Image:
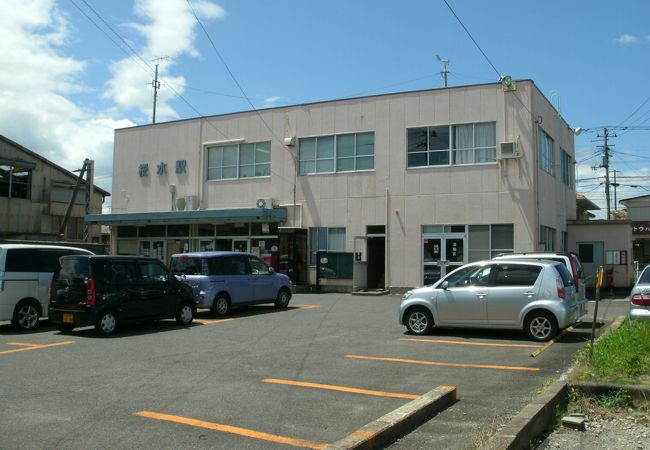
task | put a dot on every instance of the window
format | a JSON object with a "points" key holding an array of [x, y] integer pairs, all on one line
{"points": [[546, 152], [328, 239], [258, 267], [339, 153], [118, 272], [472, 143], [152, 272], [235, 161], [547, 238], [235, 265], [15, 181], [517, 275], [470, 276], [566, 168]]}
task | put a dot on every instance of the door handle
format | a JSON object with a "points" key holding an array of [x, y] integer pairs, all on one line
{"points": [[481, 295], [528, 294]]}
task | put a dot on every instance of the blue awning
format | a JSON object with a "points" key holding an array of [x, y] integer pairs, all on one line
{"points": [[203, 215]]}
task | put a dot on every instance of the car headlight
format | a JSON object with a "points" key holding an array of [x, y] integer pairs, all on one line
{"points": [[406, 295]]}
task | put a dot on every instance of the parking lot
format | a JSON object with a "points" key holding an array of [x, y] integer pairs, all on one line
{"points": [[265, 378]]}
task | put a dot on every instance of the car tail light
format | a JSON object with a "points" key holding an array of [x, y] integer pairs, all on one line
{"points": [[641, 299], [90, 292], [560, 288], [574, 270]]}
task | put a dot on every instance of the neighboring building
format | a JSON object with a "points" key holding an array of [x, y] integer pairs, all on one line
{"points": [[35, 194], [413, 183], [638, 213]]}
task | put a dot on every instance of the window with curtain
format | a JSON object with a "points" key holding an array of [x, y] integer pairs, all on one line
{"points": [[546, 152], [337, 153], [323, 238], [15, 181], [227, 162], [473, 143]]}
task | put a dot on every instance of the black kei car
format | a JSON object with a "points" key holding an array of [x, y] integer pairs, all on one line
{"points": [[106, 291]]}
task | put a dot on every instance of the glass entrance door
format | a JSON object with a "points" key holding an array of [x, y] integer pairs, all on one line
{"points": [[153, 249], [441, 254]]}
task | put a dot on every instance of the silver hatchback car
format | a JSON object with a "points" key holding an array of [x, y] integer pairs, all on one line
{"points": [[640, 297], [537, 296]]}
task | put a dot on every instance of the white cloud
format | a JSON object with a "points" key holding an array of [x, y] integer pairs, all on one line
{"points": [[626, 39], [168, 31], [274, 100], [34, 82]]}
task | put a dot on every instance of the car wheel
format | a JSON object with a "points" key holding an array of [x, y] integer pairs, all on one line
{"points": [[65, 327], [185, 314], [221, 305], [541, 326], [25, 315], [106, 323], [419, 320], [282, 301]]}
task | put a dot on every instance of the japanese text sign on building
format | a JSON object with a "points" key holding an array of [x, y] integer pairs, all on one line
{"points": [[641, 227], [143, 170], [161, 168], [181, 166]]}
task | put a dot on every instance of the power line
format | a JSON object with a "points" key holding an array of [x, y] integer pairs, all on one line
{"points": [[472, 38]]}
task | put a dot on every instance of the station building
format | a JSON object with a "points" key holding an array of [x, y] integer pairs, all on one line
{"points": [[402, 187]]}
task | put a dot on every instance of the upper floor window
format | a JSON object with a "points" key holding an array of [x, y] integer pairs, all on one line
{"points": [[15, 181], [472, 143], [566, 168], [239, 161], [338, 153], [546, 152]]}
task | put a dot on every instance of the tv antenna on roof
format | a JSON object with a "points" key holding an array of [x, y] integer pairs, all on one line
{"points": [[444, 71]]}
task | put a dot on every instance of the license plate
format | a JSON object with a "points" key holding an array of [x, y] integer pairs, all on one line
{"points": [[68, 318]]}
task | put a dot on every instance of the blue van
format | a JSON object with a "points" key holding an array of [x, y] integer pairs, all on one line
{"points": [[223, 280]]}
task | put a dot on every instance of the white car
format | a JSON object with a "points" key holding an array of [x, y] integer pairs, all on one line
{"points": [[536, 296], [640, 296]]}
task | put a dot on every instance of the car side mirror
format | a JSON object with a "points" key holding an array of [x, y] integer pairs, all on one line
{"points": [[444, 285], [271, 270]]}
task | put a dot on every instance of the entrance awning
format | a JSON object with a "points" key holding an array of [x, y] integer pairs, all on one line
{"points": [[204, 215]]}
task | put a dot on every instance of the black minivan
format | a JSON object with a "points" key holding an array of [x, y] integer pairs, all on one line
{"points": [[105, 291]]}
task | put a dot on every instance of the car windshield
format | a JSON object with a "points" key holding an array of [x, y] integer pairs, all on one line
{"points": [[187, 265], [645, 276]]}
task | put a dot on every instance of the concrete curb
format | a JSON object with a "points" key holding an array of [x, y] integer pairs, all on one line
{"points": [[539, 415], [640, 392], [535, 418], [386, 429]]}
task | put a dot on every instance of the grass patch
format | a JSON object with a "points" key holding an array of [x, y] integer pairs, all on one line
{"points": [[621, 356], [614, 405]]}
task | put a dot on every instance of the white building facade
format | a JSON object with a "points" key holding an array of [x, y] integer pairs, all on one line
{"points": [[408, 185]]}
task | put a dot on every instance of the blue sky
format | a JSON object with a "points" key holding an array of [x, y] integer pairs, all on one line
{"points": [[71, 75]]}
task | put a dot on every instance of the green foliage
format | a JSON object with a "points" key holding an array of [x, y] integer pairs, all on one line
{"points": [[616, 399], [621, 356]]}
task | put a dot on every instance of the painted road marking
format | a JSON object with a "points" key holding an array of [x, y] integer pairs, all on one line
{"points": [[484, 344], [332, 387], [445, 364], [25, 347], [232, 430], [211, 321], [306, 306]]}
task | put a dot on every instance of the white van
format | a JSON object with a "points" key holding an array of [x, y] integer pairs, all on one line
{"points": [[25, 276]]}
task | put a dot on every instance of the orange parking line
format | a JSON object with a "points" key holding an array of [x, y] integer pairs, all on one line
{"points": [[32, 346], [211, 322], [232, 430], [307, 306], [331, 387], [445, 364], [484, 344]]}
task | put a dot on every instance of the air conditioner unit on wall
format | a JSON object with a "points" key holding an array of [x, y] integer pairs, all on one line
{"points": [[191, 202], [264, 203], [508, 150]]}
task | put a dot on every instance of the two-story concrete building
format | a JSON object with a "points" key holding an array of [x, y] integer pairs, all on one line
{"points": [[413, 184]]}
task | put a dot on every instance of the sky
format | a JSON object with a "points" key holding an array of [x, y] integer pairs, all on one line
{"points": [[75, 70]]}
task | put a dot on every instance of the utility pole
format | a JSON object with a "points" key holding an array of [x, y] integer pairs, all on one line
{"points": [[444, 71], [605, 165], [156, 85], [615, 184]]}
